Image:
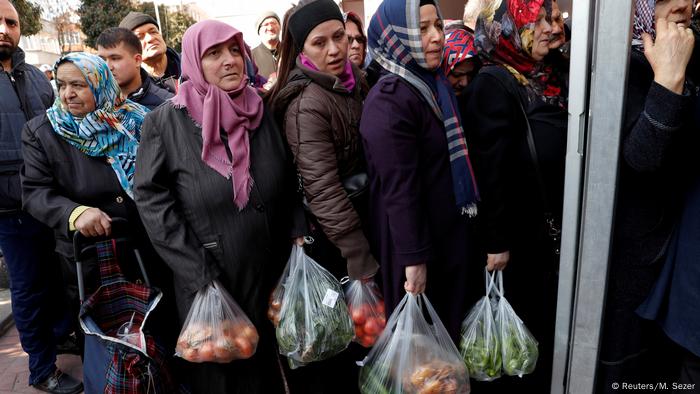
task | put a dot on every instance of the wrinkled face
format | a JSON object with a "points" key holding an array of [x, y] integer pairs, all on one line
{"points": [[677, 11], [223, 65], [460, 76], [151, 40], [558, 37], [432, 35], [9, 30], [74, 90], [122, 62], [269, 30], [357, 44], [542, 36], [327, 47]]}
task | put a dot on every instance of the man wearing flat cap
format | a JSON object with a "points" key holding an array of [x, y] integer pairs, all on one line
{"points": [[160, 61], [265, 55]]}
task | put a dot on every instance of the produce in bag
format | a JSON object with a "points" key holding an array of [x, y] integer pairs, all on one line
{"points": [[314, 320], [367, 311], [518, 346], [480, 346], [412, 356], [275, 304], [216, 329]]}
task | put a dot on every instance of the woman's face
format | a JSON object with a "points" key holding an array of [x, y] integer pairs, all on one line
{"points": [[542, 36], [357, 43], [327, 47], [432, 36], [461, 74], [74, 90], [222, 65], [677, 11]]}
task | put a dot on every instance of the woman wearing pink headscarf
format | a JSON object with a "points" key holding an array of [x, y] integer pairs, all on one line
{"points": [[216, 190]]}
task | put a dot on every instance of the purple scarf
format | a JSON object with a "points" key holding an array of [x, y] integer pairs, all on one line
{"points": [[236, 112], [347, 78]]}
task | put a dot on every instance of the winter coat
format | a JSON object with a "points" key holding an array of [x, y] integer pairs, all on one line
{"points": [[189, 213], [149, 94], [414, 218], [26, 93], [321, 121]]}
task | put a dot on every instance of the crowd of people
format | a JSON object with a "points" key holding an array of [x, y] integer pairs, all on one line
{"points": [[411, 153]]}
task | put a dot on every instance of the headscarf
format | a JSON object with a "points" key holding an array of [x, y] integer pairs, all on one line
{"points": [[113, 129], [505, 31], [459, 46], [236, 112], [395, 43]]}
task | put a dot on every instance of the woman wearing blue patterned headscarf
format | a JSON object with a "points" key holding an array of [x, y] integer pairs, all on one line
{"points": [[422, 187], [79, 164]]}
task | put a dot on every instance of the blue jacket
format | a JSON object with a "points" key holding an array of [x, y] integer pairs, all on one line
{"points": [[26, 93], [149, 94]]}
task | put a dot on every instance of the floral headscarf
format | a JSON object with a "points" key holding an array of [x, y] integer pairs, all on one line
{"points": [[459, 46], [505, 31], [112, 130]]}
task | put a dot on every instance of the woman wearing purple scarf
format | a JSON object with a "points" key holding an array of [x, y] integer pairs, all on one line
{"points": [[318, 100], [216, 190]]}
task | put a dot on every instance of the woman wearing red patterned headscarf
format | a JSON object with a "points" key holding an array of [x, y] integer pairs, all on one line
{"points": [[521, 195], [459, 61]]}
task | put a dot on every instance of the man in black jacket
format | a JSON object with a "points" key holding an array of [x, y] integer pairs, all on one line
{"points": [[161, 62], [27, 244], [121, 49]]}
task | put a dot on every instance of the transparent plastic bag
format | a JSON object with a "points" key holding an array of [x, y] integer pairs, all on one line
{"points": [[275, 304], [413, 356], [518, 346], [216, 329], [366, 307], [480, 346], [314, 320]]}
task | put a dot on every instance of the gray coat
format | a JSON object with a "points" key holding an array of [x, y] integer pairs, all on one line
{"points": [[190, 216], [26, 93]]}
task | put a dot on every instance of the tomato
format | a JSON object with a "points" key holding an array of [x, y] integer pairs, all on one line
{"points": [[223, 350], [191, 355], [358, 317], [359, 331], [380, 307], [206, 351], [372, 327], [276, 305], [382, 322], [245, 348], [250, 334], [367, 341]]}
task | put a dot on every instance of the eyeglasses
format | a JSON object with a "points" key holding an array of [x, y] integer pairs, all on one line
{"points": [[360, 40]]}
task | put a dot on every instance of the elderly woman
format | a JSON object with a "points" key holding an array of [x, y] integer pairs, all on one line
{"points": [[659, 136], [421, 185], [518, 142], [79, 167], [459, 62], [215, 188]]}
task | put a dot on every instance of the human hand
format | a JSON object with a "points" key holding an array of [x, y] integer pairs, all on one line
{"points": [[299, 241], [669, 54], [497, 261], [416, 276], [93, 223]]}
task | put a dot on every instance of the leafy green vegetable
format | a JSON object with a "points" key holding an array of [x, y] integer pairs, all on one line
{"points": [[480, 347], [519, 347]]}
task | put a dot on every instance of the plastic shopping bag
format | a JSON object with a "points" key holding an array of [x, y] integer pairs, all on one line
{"points": [[275, 305], [367, 311], [413, 356], [314, 320], [216, 329], [518, 346], [480, 346]]}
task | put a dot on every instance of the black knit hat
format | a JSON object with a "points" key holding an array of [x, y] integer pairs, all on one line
{"points": [[135, 19], [310, 15]]}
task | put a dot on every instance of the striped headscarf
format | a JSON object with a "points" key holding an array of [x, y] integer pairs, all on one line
{"points": [[459, 46], [112, 130], [394, 40]]}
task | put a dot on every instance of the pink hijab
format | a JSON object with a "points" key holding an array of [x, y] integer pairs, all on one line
{"points": [[236, 112]]}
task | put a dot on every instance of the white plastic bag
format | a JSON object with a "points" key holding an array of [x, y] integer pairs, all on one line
{"points": [[480, 344], [367, 311], [518, 346], [413, 356], [216, 329], [314, 322]]}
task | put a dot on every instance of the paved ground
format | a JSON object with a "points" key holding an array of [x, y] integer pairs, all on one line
{"points": [[14, 373]]}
